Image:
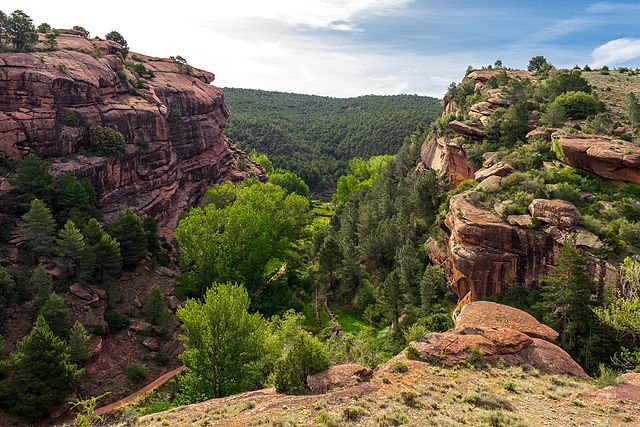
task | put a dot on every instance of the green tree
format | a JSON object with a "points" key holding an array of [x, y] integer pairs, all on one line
{"points": [[81, 30], [75, 199], [154, 305], [117, 37], [44, 28], [578, 105], [633, 107], [555, 115], [305, 357], [41, 373], [79, 345], [71, 251], [224, 344], [623, 311], [50, 42], [567, 303], [33, 180], [565, 81], [56, 314], [21, 31], [246, 236], [38, 228], [363, 174], [41, 284], [538, 64], [433, 286], [107, 142], [129, 231], [262, 160], [515, 124], [289, 181], [106, 253], [151, 228], [7, 289]]}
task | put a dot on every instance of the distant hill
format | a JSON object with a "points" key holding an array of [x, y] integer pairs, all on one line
{"points": [[316, 136]]}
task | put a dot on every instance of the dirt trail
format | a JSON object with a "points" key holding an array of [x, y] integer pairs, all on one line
{"points": [[132, 397]]}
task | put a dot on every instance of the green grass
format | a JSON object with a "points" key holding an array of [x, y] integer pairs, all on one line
{"points": [[349, 322]]}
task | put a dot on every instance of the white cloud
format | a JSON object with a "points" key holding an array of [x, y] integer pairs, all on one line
{"points": [[611, 7], [616, 52]]}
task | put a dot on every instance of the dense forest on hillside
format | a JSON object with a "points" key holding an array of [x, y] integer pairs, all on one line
{"points": [[316, 136]]}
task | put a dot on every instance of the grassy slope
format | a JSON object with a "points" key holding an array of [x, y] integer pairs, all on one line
{"points": [[425, 395], [613, 88]]}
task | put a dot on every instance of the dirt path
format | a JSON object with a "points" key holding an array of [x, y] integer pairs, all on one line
{"points": [[132, 397]]}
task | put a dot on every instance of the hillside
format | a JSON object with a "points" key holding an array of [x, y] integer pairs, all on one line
{"points": [[316, 136]]}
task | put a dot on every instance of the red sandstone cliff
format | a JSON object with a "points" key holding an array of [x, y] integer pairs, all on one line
{"points": [[177, 112]]}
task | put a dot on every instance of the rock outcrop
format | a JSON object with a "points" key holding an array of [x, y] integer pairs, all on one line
{"points": [[555, 212], [484, 253], [493, 315], [338, 376], [497, 333], [447, 157], [608, 157], [171, 117]]}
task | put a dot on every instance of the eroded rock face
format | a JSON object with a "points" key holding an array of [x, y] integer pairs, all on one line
{"points": [[448, 158], [608, 157], [485, 253], [494, 315], [49, 101]]}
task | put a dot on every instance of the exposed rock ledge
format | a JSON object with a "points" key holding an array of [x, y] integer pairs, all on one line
{"points": [[177, 113]]}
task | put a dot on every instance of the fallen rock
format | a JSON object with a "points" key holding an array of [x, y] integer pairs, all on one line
{"points": [[139, 326], [137, 302], [493, 315], [79, 291], [338, 376], [102, 294], [555, 212], [490, 158], [490, 184], [151, 343], [541, 133], [499, 169], [546, 357], [166, 271], [174, 302], [522, 221], [95, 347]]}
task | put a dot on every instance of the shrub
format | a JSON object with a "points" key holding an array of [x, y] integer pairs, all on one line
{"points": [[487, 401], [353, 413], [578, 105], [305, 357], [475, 358], [117, 321], [136, 372], [71, 118], [400, 367], [107, 142]]}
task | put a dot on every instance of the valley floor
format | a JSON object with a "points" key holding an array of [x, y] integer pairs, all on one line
{"points": [[424, 395]]}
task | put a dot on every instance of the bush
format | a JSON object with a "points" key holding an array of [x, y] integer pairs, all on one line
{"points": [[117, 321], [71, 118], [136, 372], [305, 357], [578, 105], [400, 367], [107, 142]]}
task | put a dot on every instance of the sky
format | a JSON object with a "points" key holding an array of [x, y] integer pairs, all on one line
{"points": [[346, 48]]}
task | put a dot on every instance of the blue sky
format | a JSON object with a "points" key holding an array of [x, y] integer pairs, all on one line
{"points": [[355, 47]]}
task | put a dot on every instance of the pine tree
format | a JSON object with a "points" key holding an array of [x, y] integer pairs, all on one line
{"points": [[79, 344], [71, 250], [567, 304], [151, 227], [7, 289], [75, 199], [41, 373], [106, 253], [33, 180], [55, 313], [130, 234], [38, 228], [40, 283], [154, 305]]}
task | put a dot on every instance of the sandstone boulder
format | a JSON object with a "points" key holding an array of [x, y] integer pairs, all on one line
{"points": [[504, 345], [555, 212], [628, 390], [338, 376], [577, 235], [174, 302], [467, 131], [166, 271], [499, 169], [79, 291], [605, 156], [490, 184], [541, 133], [151, 343], [494, 315]]}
